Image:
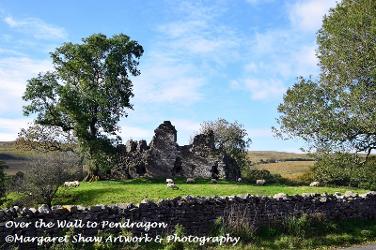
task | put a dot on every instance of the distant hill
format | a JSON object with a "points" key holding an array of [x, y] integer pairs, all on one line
{"points": [[289, 165], [15, 159], [267, 156]]}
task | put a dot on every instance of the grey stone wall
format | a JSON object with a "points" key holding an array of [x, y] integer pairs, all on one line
{"points": [[197, 215]]}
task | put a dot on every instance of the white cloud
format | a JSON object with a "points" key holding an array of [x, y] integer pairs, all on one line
{"points": [[168, 81], [259, 132], [307, 15], [38, 28], [135, 133], [187, 52], [264, 89], [186, 125], [256, 2], [14, 73], [198, 35], [305, 60], [9, 128], [186, 129]]}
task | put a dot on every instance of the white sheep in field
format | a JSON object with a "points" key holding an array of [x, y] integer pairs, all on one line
{"points": [[172, 186], [190, 180], [239, 179], [71, 184], [314, 184], [260, 182], [170, 181]]}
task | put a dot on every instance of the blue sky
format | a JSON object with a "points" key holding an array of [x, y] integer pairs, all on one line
{"points": [[203, 59]]}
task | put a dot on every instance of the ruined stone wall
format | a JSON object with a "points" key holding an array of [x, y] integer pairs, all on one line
{"points": [[163, 157], [197, 215]]}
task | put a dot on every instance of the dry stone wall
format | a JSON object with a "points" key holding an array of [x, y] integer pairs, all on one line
{"points": [[197, 215]]}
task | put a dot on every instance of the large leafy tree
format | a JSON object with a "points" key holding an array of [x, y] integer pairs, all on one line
{"points": [[337, 111], [88, 92]]}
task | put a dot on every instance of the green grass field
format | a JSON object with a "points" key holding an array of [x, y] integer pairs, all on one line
{"points": [[134, 191]]}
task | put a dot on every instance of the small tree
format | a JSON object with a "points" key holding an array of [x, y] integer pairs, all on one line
{"points": [[229, 138], [87, 93], [46, 173], [46, 139]]}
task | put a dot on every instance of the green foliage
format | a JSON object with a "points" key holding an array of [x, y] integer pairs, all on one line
{"points": [[237, 223], [314, 231], [88, 91], [301, 226], [337, 112], [2, 179], [45, 138], [46, 174], [251, 175], [15, 182], [229, 138], [180, 232], [345, 170]]}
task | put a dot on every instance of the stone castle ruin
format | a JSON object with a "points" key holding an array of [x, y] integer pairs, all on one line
{"points": [[163, 157]]}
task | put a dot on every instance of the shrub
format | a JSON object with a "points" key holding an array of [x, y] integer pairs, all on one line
{"points": [[45, 175], [15, 182], [179, 231], [2, 179], [304, 225], [237, 222], [346, 170], [251, 175]]}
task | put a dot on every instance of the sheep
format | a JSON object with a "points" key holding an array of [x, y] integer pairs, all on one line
{"points": [[260, 182], [213, 181], [172, 186], [239, 179], [71, 184], [314, 184], [190, 180], [170, 181]]}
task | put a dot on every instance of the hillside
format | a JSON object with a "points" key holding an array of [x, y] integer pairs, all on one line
{"points": [[289, 165]]}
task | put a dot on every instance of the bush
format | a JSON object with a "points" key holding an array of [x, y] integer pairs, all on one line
{"points": [[301, 226], [2, 179], [236, 222], [45, 175], [345, 170], [251, 175], [15, 183]]}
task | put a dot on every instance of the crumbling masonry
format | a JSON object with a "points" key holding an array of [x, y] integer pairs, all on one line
{"points": [[163, 157]]}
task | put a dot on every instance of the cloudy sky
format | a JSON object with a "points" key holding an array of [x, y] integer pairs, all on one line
{"points": [[203, 59]]}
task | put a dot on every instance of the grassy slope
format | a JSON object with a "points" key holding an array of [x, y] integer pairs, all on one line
{"points": [[134, 191]]}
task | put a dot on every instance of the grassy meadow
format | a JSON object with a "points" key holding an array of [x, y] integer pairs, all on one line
{"points": [[134, 191]]}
